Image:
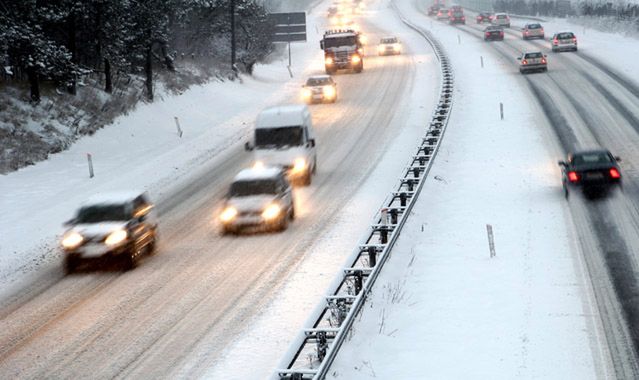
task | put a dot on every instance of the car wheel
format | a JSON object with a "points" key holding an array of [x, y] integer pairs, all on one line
{"points": [[151, 248], [575, 49], [283, 224], [131, 258], [70, 264], [308, 178]]}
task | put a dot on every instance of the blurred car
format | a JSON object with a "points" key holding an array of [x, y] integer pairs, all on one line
{"points": [[484, 17], [564, 41], [319, 89], [493, 33], [259, 197], [433, 9], [501, 19], [121, 226], [456, 17], [595, 171], [531, 31], [532, 61], [442, 14], [389, 46]]}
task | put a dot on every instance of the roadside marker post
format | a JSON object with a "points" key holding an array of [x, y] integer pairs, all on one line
{"points": [[90, 161], [501, 110], [491, 240], [177, 124]]}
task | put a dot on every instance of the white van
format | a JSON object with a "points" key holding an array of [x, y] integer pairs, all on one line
{"points": [[284, 137]]}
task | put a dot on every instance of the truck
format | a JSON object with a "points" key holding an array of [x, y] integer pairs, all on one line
{"points": [[343, 50]]}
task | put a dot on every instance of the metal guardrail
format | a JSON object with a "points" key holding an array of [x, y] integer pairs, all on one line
{"points": [[313, 350]]}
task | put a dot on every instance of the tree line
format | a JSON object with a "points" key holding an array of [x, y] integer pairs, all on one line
{"points": [[62, 40]]}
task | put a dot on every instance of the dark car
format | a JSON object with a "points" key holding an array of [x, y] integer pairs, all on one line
{"points": [[456, 17], [484, 17], [433, 9], [595, 171], [120, 226], [493, 33]]}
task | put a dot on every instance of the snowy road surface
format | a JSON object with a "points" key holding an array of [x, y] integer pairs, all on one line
{"points": [[181, 312]]}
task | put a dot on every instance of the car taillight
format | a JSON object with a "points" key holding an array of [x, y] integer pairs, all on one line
{"points": [[501, 34], [463, 18], [524, 62], [555, 41], [543, 60], [525, 32], [487, 34], [574, 39], [573, 176], [614, 173]]}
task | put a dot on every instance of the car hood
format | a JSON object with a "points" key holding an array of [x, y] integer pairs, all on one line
{"points": [[280, 157], [94, 230], [251, 203]]}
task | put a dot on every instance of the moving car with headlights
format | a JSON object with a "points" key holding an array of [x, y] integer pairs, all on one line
{"points": [[484, 17], [343, 49], [595, 171], [501, 19], [456, 17], [530, 31], [389, 46], [258, 197], [319, 89], [532, 61], [121, 226], [442, 14], [493, 33], [284, 137], [564, 41]]}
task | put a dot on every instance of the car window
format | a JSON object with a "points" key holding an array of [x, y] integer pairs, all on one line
{"points": [[564, 35], [389, 40], [279, 137], [534, 26], [317, 81], [591, 158], [533, 55], [253, 187], [102, 213]]}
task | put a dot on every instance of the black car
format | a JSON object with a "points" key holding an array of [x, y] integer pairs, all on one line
{"points": [[595, 171], [493, 33]]}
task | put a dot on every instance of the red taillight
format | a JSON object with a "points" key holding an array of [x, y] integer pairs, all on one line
{"points": [[555, 42], [526, 32], [573, 176], [463, 18], [614, 173], [501, 34], [524, 62], [543, 60], [574, 39], [487, 34]]}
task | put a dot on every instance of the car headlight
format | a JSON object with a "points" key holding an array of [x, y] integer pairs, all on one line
{"points": [[328, 61], [258, 165], [72, 240], [116, 237], [306, 93], [299, 165], [228, 214], [397, 47], [356, 59], [271, 212], [329, 91]]}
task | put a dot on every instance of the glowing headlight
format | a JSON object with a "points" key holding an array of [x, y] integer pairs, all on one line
{"points": [[258, 165], [328, 61], [228, 214], [72, 240], [356, 59], [307, 93], [397, 47], [299, 165], [116, 237], [328, 91], [363, 39], [271, 212]]}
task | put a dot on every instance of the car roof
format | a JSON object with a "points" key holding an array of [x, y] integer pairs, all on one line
{"points": [[282, 116], [324, 76], [112, 198], [258, 173]]}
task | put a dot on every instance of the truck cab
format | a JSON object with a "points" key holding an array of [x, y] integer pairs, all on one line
{"points": [[343, 50], [284, 137]]}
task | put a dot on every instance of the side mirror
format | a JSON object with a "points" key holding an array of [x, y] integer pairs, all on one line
{"points": [[562, 163], [311, 143], [322, 44], [69, 222], [618, 158], [247, 146]]}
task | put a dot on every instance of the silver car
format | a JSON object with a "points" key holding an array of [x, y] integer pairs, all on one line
{"points": [[564, 41], [501, 19], [532, 61], [531, 31]]}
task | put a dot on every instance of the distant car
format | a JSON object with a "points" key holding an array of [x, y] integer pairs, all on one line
{"points": [[532, 61], [259, 197], [389, 46], [442, 14], [456, 8], [121, 226], [501, 19], [484, 17], [564, 41], [319, 89], [595, 171], [531, 31], [493, 33], [433, 9], [456, 17]]}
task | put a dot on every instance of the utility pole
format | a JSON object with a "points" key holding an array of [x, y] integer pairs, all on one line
{"points": [[233, 36]]}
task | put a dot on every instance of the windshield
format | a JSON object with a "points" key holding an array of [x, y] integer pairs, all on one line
{"points": [[533, 55], [332, 42], [253, 187], [591, 158], [102, 213], [278, 137], [389, 40], [317, 81], [564, 35], [534, 26]]}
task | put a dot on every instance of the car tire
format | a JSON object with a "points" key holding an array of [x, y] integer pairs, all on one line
{"points": [[282, 225], [70, 264], [359, 69], [308, 178]]}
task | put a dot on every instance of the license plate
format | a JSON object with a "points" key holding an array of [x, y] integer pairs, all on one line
{"points": [[594, 175], [93, 250]]}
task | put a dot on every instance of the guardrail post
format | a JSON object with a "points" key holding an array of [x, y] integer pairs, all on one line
{"points": [[372, 256], [402, 196], [393, 214], [416, 172], [383, 235], [321, 345], [358, 281]]}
